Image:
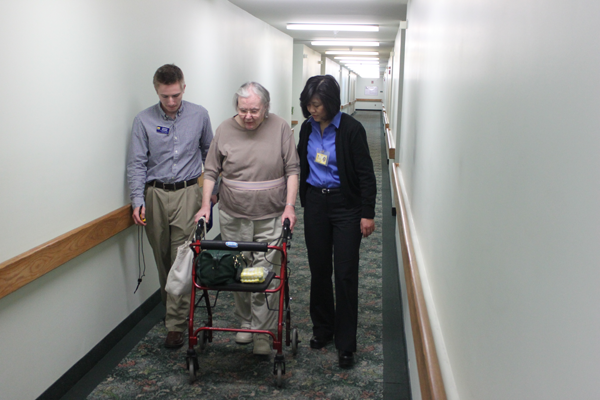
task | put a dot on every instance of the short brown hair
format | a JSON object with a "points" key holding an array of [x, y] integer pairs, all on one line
{"points": [[168, 74]]}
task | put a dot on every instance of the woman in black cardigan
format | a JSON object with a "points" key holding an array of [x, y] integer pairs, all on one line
{"points": [[337, 191]]}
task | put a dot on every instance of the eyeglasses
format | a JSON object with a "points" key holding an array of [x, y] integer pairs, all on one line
{"points": [[255, 112]]}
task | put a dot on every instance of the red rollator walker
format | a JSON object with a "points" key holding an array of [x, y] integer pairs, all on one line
{"points": [[204, 334]]}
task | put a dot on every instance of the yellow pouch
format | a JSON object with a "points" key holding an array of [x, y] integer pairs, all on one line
{"points": [[254, 275]]}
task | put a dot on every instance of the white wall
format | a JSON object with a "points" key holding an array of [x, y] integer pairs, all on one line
{"points": [[499, 152], [298, 82], [332, 68], [395, 106], [76, 73], [352, 92], [304, 68], [344, 85], [361, 83], [387, 85]]}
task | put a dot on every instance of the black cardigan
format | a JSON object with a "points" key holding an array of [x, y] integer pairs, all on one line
{"points": [[357, 179]]}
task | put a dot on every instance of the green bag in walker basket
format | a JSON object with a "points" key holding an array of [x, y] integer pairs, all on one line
{"points": [[219, 267]]}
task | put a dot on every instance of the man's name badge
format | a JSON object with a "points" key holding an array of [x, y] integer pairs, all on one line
{"points": [[322, 157], [162, 129]]}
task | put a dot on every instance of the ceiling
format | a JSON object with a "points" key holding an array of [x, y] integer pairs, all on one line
{"points": [[385, 13]]}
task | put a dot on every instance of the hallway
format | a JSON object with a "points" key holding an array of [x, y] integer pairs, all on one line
{"points": [[493, 138], [139, 367]]}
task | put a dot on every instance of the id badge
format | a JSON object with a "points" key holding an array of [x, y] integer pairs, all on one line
{"points": [[322, 157], [162, 129]]}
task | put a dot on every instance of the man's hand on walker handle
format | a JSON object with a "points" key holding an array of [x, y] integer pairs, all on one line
{"points": [[367, 226]]}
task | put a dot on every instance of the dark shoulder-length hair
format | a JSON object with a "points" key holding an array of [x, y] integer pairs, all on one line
{"points": [[326, 88]]}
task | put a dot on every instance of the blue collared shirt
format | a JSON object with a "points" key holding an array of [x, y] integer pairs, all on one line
{"points": [[166, 149], [323, 176]]}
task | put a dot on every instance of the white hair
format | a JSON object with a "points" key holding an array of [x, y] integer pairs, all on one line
{"points": [[257, 89]]}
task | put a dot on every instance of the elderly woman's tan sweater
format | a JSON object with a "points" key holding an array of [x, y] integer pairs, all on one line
{"points": [[264, 154]]}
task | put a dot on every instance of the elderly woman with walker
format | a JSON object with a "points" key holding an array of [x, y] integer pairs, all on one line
{"points": [[255, 153], [337, 190]]}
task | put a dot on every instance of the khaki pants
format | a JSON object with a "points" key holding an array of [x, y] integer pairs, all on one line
{"points": [[251, 308], [170, 222]]}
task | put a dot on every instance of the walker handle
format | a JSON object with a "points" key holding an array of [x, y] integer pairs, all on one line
{"points": [[287, 233], [201, 229], [231, 245]]}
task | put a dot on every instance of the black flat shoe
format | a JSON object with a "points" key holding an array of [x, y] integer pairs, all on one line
{"points": [[346, 359], [318, 342]]}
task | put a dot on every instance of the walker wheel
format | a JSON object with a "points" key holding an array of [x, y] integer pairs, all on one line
{"points": [[294, 341], [191, 369], [202, 340], [279, 375]]}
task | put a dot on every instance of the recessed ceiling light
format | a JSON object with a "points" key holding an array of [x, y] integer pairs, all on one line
{"points": [[341, 43], [353, 53], [363, 70], [357, 58], [360, 62], [333, 27]]}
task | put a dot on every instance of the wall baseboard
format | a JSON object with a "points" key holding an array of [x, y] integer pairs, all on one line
{"points": [[83, 366]]}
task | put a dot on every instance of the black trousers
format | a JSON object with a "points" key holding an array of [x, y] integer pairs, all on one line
{"points": [[333, 231]]}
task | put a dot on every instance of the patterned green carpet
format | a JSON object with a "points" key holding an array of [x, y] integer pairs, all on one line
{"points": [[231, 371]]}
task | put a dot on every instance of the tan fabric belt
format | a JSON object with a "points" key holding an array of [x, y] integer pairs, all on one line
{"points": [[260, 185]]}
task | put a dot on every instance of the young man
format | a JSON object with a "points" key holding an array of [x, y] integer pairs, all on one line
{"points": [[169, 143]]}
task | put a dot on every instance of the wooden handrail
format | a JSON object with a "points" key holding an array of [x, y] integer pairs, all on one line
{"points": [[390, 144], [24, 268], [386, 120], [430, 376], [27, 267], [369, 100]]}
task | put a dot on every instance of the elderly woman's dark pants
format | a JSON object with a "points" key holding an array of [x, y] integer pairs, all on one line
{"points": [[333, 231]]}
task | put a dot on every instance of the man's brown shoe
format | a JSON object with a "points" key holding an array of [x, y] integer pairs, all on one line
{"points": [[174, 340]]}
